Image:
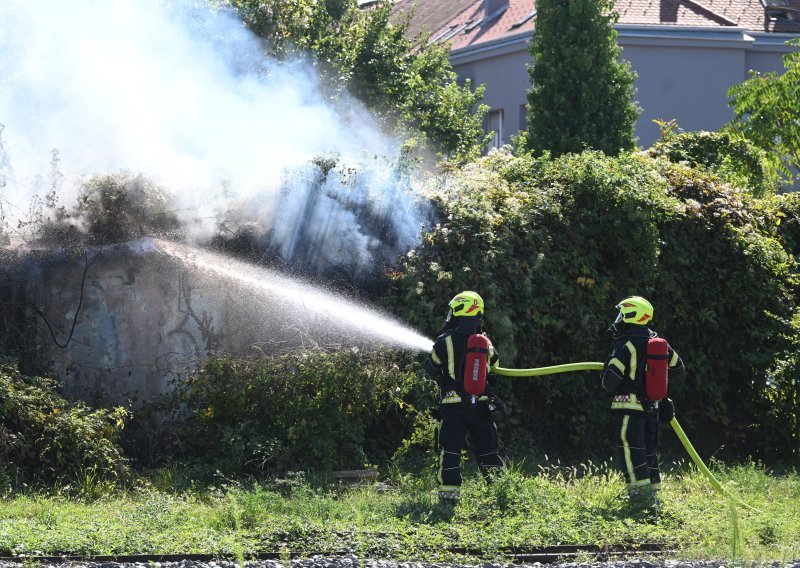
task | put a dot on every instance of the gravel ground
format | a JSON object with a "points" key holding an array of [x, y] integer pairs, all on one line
{"points": [[355, 562]]}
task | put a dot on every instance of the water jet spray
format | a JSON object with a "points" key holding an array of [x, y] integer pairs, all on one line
{"points": [[324, 310]]}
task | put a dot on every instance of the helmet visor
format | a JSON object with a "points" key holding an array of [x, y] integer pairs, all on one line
{"points": [[619, 318]]}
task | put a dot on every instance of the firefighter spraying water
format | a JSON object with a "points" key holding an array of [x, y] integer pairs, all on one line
{"points": [[460, 362]]}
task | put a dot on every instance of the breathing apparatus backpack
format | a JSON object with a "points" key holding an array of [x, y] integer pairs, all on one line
{"points": [[656, 373], [476, 364]]}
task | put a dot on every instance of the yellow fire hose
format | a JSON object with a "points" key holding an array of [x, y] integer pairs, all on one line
{"points": [[594, 366], [547, 370], [702, 466]]}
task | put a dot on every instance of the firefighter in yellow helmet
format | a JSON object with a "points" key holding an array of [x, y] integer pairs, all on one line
{"points": [[625, 376], [460, 412]]}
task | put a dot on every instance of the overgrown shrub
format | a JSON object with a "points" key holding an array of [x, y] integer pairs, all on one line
{"points": [[553, 245], [733, 158], [110, 208], [787, 220], [124, 206], [45, 438], [307, 410]]}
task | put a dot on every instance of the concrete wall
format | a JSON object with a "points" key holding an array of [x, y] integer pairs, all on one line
{"points": [[148, 312], [131, 334], [683, 73]]}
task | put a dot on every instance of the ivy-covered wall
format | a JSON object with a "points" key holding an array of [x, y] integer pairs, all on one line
{"points": [[554, 245]]}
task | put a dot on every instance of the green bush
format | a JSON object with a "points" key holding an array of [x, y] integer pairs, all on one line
{"points": [[553, 245], [788, 221], [45, 438], [307, 410], [733, 158]]}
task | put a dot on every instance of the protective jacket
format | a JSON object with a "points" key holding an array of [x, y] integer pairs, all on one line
{"points": [[624, 374], [458, 415], [638, 433], [446, 360]]}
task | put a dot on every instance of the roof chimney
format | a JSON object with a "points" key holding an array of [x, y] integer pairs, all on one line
{"points": [[493, 8]]}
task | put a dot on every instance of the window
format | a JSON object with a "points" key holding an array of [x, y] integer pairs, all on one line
{"points": [[494, 124], [776, 9]]}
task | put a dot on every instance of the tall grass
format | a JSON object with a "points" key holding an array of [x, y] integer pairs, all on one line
{"points": [[557, 505]]}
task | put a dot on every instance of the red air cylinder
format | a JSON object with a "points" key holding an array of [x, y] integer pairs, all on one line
{"points": [[476, 363], [656, 375]]}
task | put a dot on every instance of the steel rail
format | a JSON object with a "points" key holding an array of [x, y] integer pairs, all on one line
{"points": [[543, 554]]}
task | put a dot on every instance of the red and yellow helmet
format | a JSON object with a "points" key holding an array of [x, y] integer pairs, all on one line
{"points": [[466, 304], [635, 310]]}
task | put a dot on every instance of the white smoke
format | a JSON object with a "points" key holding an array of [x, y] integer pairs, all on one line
{"points": [[182, 94]]}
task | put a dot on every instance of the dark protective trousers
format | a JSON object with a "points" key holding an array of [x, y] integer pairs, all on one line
{"points": [[458, 420], [637, 441], [652, 439]]}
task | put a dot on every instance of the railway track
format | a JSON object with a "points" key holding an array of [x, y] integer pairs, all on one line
{"points": [[544, 555]]}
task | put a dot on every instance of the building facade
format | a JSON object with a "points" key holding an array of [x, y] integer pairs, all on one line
{"points": [[686, 53]]}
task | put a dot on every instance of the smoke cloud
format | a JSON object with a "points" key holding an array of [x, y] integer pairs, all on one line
{"points": [[184, 95]]}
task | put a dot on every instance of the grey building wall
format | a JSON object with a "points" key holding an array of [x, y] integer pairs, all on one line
{"points": [[506, 79], [683, 73]]}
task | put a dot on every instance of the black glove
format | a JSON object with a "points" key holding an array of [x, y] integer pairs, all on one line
{"points": [[497, 409], [666, 410]]}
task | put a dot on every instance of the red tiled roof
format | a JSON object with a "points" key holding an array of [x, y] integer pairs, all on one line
{"points": [[748, 14], [474, 31], [428, 15], [467, 27]]}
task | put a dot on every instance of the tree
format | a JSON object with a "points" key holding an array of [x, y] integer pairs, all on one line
{"points": [[766, 112], [581, 93], [406, 83]]}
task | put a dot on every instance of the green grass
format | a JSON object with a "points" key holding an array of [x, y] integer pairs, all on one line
{"points": [[558, 505]]}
